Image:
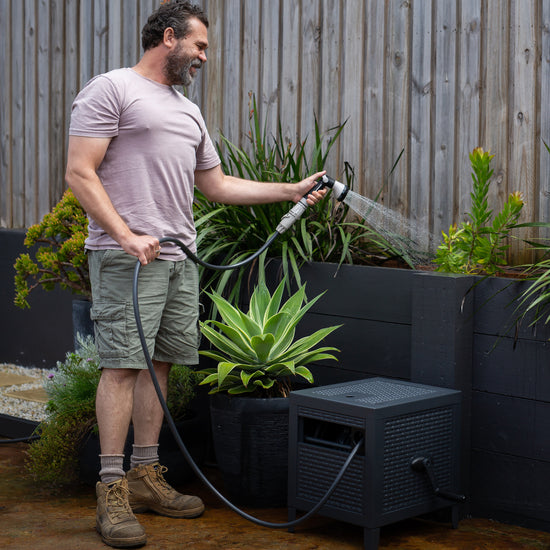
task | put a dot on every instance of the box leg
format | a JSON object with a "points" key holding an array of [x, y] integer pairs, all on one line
{"points": [[455, 516], [371, 538], [291, 517]]}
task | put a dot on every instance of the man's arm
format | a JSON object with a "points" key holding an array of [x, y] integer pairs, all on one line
{"points": [[218, 187], [84, 157]]}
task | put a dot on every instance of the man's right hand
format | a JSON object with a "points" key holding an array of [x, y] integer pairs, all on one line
{"points": [[143, 247]]}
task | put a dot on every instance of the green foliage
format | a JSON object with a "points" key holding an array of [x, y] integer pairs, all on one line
{"points": [[71, 414], [72, 388], [62, 260], [479, 244], [227, 234], [535, 299], [256, 351]]}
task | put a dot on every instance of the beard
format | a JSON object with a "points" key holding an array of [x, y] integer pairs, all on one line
{"points": [[177, 68]]}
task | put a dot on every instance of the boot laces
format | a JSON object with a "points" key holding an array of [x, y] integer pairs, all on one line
{"points": [[159, 471], [117, 501]]}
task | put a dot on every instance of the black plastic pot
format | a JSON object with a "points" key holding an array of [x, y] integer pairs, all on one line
{"points": [[82, 322], [250, 437]]}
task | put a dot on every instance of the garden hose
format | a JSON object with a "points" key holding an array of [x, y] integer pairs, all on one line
{"points": [[170, 420], [285, 223]]}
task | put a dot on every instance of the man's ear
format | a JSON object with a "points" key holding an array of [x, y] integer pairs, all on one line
{"points": [[169, 37]]}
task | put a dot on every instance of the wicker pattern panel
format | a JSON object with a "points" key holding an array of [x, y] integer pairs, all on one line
{"points": [[428, 434], [319, 467]]}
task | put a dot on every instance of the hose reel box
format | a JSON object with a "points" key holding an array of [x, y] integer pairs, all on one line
{"points": [[408, 464]]}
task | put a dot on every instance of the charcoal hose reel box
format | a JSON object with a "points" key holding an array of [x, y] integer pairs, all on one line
{"points": [[408, 462]]}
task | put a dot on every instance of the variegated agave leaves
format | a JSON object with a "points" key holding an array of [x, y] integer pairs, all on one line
{"points": [[256, 351]]}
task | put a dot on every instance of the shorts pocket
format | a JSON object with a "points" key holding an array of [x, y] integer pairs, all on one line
{"points": [[110, 328]]}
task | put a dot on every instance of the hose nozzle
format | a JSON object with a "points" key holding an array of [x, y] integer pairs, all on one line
{"points": [[295, 213], [339, 189]]}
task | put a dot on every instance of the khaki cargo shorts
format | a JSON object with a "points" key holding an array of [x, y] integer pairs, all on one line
{"points": [[168, 305]]}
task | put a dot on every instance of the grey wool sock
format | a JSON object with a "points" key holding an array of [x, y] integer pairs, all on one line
{"points": [[112, 468], [144, 454]]}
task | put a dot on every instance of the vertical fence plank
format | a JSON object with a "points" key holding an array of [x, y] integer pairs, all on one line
{"points": [[544, 165], [330, 84], [232, 96], [397, 85], [468, 101], [444, 119], [85, 39], [374, 99], [309, 89], [5, 115], [57, 135], [497, 83], [101, 28], [290, 71], [269, 63], [30, 97], [250, 83], [18, 115], [214, 106], [352, 79], [114, 37], [420, 142], [43, 119], [523, 110]]}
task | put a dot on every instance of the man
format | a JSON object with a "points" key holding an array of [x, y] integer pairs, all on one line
{"points": [[136, 149]]}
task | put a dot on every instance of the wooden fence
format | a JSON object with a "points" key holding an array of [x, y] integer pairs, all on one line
{"points": [[434, 78]]}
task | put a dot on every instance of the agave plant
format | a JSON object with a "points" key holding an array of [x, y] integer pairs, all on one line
{"points": [[256, 351]]}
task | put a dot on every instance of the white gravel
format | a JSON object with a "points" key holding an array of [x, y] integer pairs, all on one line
{"points": [[21, 408]]}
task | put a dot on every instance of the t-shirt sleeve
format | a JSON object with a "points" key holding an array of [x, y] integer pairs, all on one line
{"points": [[207, 156], [96, 109]]}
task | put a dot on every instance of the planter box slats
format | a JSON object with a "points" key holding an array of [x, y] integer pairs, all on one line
{"points": [[521, 371], [388, 353], [495, 307], [499, 430], [510, 488], [386, 298]]}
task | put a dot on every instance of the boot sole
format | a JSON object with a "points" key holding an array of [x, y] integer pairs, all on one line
{"points": [[188, 513], [134, 542]]}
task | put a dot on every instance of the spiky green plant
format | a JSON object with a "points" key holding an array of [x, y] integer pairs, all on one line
{"points": [[227, 234], [478, 245], [256, 350]]}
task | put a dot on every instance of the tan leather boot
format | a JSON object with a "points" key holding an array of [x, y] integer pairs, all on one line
{"points": [[150, 491], [115, 521]]}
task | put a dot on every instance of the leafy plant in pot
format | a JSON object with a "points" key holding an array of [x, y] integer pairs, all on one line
{"points": [[258, 360], [59, 259]]}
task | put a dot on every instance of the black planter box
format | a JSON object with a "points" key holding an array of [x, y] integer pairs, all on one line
{"points": [[458, 332]]}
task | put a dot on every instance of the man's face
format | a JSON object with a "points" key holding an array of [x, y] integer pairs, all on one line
{"points": [[188, 55]]}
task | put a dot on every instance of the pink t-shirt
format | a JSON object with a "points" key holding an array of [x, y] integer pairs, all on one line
{"points": [[159, 139]]}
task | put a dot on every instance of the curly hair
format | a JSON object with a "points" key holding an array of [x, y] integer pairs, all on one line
{"points": [[175, 14]]}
